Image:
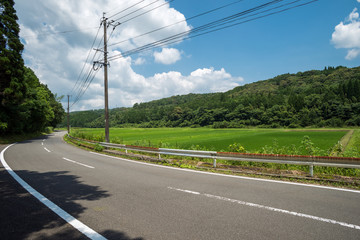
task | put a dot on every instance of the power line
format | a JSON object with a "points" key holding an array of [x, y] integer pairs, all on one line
{"points": [[90, 76], [91, 73], [166, 3], [87, 78], [137, 10], [258, 12], [55, 33], [93, 70], [200, 28], [125, 9], [211, 27], [185, 20], [86, 59]]}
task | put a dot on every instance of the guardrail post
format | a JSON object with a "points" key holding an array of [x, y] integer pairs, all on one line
{"points": [[311, 170], [126, 151], [159, 156], [214, 163]]}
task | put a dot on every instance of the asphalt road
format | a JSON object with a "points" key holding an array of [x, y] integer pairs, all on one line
{"points": [[123, 199]]}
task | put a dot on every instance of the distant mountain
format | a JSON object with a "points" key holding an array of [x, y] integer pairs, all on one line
{"points": [[319, 98]]}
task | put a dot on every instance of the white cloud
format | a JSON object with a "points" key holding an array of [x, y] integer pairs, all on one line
{"points": [[352, 54], [57, 59], [161, 85], [167, 56], [354, 15], [347, 35], [139, 61]]}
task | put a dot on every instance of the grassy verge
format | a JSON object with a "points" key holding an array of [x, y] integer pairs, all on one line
{"points": [[339, 177], [353, 147]]}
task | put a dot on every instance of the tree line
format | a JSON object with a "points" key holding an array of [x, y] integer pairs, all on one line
{"points": [[26, 105], [317, 98]]}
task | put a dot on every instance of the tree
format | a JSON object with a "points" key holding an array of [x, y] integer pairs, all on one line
{"points": [[26, 105], [12, 89]]}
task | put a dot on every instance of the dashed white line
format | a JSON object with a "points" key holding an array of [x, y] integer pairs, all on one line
{"points": [[72, 161], [47, 149], [186, 191], [249, 204], [90, 233]]}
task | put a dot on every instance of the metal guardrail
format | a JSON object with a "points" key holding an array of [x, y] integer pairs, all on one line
{"points": [[311, 161]]}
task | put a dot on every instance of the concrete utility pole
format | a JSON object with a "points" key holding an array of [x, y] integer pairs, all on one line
{"points": [[68, 115], [107, 138], [106, 24]]}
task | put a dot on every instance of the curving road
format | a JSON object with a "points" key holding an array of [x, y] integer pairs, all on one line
{"points": [[117, 198]]}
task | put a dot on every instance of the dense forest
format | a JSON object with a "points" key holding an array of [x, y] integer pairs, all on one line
{"points": [[26, 105], [317, 98]]}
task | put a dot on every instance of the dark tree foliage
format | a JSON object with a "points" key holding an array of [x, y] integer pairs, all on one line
{"points": [[328, 98], [12, 89], [26, 105]]}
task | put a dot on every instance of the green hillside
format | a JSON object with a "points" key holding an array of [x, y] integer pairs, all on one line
{"points": [[317, 98]]}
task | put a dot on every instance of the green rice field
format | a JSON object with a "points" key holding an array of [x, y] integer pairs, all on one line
{"points": [[216, 139]]}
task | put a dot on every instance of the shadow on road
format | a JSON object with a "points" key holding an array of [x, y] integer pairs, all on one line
{"points": [[24, 217]]}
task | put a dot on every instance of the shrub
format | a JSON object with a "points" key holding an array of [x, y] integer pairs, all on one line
{"points": [[98, 148], [236, 147]]}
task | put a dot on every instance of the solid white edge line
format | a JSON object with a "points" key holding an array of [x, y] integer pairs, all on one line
{"points": [[72, 161], [255, 205], [231, 176], [90, 233]]}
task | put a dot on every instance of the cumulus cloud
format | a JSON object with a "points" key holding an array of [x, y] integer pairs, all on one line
{"points": [[58, 58], [167, 56], [352, 54], [347, 35], [168, 84]]}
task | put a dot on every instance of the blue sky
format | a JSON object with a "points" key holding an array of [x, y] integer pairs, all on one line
{"points": [[324, 33], [293, 41]]}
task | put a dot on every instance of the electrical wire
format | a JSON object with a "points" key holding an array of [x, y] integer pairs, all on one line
{"points": [[137, 10], [173, 24], [86, 59], [209, 28], [55, 33], [166, 3], [126, 9], [249, 15], [87, 78], [197, 29]]}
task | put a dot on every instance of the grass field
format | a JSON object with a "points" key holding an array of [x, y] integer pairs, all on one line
{"points": [[219, 139]]}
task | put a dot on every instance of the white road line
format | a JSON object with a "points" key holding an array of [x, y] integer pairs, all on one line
{"points": [[42, 143], [186, 191], [231, 176], [90, 233], [249, 204], [47, 149], [72, 161]]}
